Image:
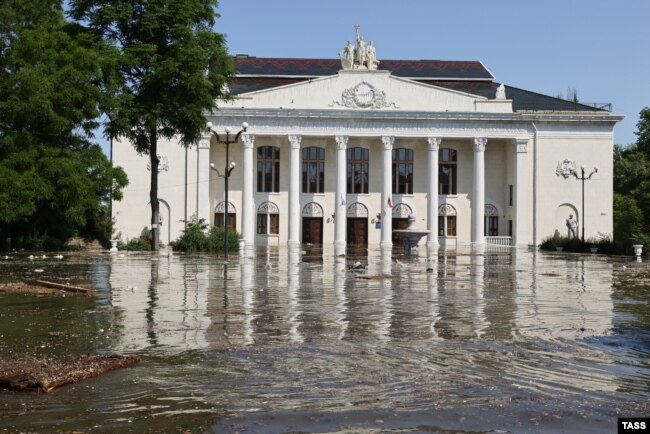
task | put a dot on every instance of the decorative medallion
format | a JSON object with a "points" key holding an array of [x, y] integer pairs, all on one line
{"points": [[402, 210], [357, 209], [221, 207], [163, 164], [446, 209], [268, 208], [312, 209], [491, 210], [566, 168], [364, 95]]}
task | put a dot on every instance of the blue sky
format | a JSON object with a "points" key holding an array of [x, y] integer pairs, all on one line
{"points": [[598, 47]]}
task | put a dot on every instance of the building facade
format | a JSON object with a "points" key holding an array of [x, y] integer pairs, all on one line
{"points": [[343, 150]]}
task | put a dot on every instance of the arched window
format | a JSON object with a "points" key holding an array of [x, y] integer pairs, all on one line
{"points": [[491, 222], [402, 171], [268, 219], [446, 220], [313, 170], [220, 214], [268, 169], [447, 163], [358, 170]]}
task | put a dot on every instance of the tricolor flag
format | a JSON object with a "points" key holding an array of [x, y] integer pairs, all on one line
{"points": [[390, 203], [342, 200]]}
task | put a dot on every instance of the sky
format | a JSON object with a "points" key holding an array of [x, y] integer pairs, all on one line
{"points": [[597, 47]]}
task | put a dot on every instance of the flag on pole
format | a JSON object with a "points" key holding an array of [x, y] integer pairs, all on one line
{"points": [[342, 200], [390, 203]]}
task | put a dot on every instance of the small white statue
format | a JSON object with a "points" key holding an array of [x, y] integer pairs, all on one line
{"points": [[371, 55], [501, 92], [572, 226]]}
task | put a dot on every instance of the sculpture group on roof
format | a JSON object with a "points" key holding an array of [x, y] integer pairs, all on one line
{"points": [[361, 56]]}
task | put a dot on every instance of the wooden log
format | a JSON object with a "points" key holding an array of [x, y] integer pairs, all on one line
{"points": [[64, 287]]}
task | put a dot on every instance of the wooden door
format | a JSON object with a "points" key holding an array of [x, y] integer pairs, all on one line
{"points": [[399, 223], [357, 231], [312, 230]]}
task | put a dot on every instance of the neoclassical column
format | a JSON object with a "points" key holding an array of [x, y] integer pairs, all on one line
{"points": [[520, 192], [432, 191], [248, 200], [386, 190], [294, 190], [203, 180], [478, 192], [340, 214]]}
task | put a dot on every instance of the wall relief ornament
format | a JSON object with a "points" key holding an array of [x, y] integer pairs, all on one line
{"points": [[163, 163], [358, 210], [446, 209], [402, 210], [491, 210], [565, 168], [364, 95], [312, 209], [221, 207], [268, 208]]}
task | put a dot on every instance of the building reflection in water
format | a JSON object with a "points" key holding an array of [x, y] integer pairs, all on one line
{"points": [[287, 295]]}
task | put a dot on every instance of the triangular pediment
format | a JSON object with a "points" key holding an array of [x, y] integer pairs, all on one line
{"points": [[366, 90]]}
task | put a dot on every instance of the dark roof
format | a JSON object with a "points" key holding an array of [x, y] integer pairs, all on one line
{"points": [[433, 69], [470, 77]]}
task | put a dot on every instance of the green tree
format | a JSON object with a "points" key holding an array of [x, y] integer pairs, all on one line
{"points": [[171, 67], [632, 178], [643, 132], [53, 180], [628, 218]]}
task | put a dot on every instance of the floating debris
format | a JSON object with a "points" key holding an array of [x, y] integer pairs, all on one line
{"points": [[43, 287], [44, 373]]}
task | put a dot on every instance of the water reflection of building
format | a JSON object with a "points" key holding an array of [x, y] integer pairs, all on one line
{"points": [[160, 300], [185, 302]]}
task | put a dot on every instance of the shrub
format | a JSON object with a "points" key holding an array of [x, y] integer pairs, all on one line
{"points": [[136, 244], [195, 239]]}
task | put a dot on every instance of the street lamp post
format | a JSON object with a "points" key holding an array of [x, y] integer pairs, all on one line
{"points": [[229, 168], [584, 178]]}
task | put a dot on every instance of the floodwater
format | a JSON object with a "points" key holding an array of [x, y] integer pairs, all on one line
{"points": [[279, 340]]}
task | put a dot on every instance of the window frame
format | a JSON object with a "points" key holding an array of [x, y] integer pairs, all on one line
{"points": [[402, 158], [313, 165], [449, 163], [360, 186], [264, 161]]}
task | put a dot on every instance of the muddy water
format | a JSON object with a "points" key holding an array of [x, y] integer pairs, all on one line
{"points": [[288, 341]]}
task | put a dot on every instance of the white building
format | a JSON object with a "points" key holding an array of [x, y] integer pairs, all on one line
{"points": [[340, 152]]}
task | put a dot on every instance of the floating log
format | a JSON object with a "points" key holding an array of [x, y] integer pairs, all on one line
{"points": [[36, 374], [64, 287]]}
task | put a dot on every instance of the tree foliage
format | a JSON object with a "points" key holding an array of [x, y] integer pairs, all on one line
{"points": [[170, 68], [53, 180]]}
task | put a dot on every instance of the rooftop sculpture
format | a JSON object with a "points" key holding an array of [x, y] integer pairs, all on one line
{"points": [[361, 56]]}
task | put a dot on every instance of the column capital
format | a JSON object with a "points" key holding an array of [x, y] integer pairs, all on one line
{"points": [[388, 142], [522, 145], [204, 142], [248, 140], [295, 141], [341, 142], [479, 144], [434, 143]]}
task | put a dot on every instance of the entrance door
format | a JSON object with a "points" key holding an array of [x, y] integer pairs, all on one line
{"points": [[358, 231], [399, 223], [312, 230]]}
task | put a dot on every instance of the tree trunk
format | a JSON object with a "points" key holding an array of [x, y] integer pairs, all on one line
{"points": [[153, 193]]}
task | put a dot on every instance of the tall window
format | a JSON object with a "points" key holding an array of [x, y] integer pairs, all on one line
{"points": [[313, 170], [491, 224], [358, 170], [402, 171], [447, 160], [510, 195], [268, 169], [446, 220], [219, 215], [268, 219]]}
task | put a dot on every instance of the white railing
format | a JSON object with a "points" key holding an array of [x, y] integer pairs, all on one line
{"points": [[498, 241]]}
